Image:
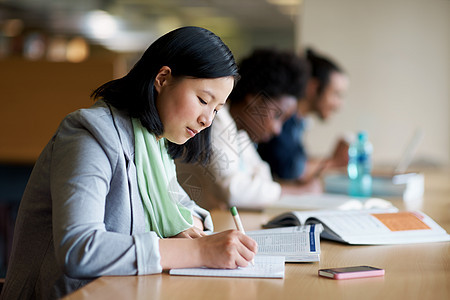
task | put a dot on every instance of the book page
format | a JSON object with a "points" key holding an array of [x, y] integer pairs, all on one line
{"points": [[378, 227], [265, 267], [402, 221], [302, 216], [289, 229], [287, 240]]}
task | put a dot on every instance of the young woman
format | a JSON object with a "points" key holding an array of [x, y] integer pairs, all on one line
{"points": [[103, 197]]}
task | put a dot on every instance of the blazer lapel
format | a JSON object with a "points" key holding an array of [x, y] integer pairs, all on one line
{"points": [[124, 129]]}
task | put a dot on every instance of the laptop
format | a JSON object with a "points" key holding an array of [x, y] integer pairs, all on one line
{"points": [[408, 153]]}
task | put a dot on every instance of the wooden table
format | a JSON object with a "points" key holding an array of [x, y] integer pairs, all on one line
{"points": [[420, 271]]}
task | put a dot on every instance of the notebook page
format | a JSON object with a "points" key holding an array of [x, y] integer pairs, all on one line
{"points": [[265, 267]]}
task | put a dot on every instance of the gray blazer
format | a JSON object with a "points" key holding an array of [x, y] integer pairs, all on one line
{"points": [[81, 215]]}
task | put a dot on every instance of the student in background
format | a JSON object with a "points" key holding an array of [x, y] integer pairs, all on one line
{"points": [[286, 153], [103, 197], [263, 99]]}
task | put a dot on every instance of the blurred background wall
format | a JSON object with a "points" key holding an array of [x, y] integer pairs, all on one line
{"points": [[397, 54]]}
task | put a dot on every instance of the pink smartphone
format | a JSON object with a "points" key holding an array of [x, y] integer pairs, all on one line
{"points": [[351, 272]]}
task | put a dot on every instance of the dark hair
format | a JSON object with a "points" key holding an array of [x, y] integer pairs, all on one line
{"points": [[187, 51], [321, 68], [273, 72]]}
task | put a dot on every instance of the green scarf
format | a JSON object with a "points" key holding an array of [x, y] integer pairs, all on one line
{"points": [[157, 182]]}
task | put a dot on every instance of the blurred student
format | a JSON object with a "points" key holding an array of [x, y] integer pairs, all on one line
{"points": [[103, 197], [286, 153], [263, 99]]}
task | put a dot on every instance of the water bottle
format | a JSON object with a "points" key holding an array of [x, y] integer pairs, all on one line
{"points": [[360, 166]]}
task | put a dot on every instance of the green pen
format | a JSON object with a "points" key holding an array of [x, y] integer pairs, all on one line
{"points": [[238, 222]]}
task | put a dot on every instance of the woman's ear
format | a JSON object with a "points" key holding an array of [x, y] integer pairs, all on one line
{"points": [[162, 78], [312, 88]]}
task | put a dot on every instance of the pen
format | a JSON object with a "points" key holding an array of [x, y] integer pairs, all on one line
{"points": [[237, 221]]}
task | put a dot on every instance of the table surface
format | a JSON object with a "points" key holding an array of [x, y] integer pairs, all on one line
{"points": [[419, 271]]}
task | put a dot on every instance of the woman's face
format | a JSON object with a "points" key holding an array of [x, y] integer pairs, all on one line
{"points": [[186, 106], [331, 98], [263, 118]]}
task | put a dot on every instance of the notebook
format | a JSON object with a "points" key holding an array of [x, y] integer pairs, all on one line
{"points": [[265, 267]]}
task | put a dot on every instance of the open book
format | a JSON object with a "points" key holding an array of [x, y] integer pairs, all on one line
{"points": [[368, 227], [296, 244]]}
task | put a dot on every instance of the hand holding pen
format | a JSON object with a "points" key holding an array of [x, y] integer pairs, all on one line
{"points": [[228, 249], [239, 226]]}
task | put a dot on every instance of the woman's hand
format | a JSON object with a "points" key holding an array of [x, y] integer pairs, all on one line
{"points": [[195, 231], [340, 154], [191, 233], [229, 249], [198, 223]]}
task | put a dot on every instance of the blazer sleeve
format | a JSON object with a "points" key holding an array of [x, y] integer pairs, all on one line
{"points": [[196, 210], [84, 158]]}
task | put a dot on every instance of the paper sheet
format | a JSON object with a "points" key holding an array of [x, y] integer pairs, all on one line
{"points": [[265, 267]]}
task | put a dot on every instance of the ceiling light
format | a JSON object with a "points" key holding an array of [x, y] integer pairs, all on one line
{"points": [[100, 25], [285, 2], [77, 50]]}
